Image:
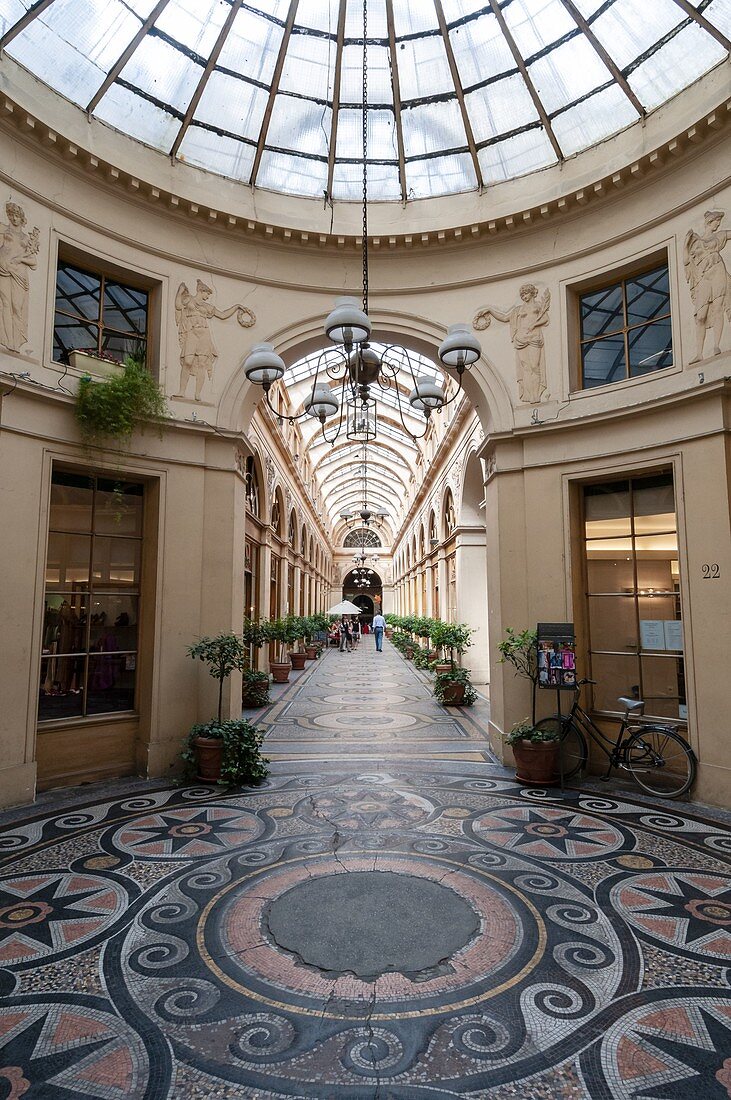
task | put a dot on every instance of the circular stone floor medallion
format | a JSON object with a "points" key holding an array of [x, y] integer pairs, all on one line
{"points": [[368, 923]]}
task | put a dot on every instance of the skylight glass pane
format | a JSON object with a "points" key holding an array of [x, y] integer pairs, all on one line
{"points": [[382, 141], [567, 73], [135, 116], [500, 108], [194, 23], [10, 13], [73, 49], [592, 121], [377, 27], [535, 24], [411, 18], [423, 68], [233, 105], [226, 156], [293, 175], [309, 68], [432, 127], [379, 76], [456, 9], [383, 182], [320, 15], [300, 125], [516, 155], [480, 50], [678, 63], [163, 72], [440, 175], [625, 31], [251, 47], [718, 12]]}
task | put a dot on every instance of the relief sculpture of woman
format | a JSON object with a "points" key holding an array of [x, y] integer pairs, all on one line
{"points": [[527, 320], [708, 279], [18, 255]]}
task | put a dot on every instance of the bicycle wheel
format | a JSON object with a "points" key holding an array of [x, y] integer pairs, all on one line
{"points": [[660, 761], [573, 743]]}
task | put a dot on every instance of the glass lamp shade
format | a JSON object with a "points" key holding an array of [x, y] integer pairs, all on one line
{"points": [[426, 396], [347, 324], [461, 347], [361, 425], [322, 403], [263, 366]]}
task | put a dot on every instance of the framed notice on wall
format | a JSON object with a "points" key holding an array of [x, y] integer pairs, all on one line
{"points": [[556, 656]]}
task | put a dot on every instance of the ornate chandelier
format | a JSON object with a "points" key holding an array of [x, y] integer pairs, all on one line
{"points": [[359, 368]]}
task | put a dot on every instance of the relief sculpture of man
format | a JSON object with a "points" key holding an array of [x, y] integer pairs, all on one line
{"points": [[18, 256], [526, 319], [193, 313], [708, 279]]}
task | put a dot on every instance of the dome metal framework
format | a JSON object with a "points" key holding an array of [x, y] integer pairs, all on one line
{"points": [[463, 93]]}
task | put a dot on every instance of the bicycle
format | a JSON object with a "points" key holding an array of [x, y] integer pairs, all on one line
{"points": [[654, 753]]}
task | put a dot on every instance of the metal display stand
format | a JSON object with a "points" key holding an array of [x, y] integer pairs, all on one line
{"points": [[555, 669]]}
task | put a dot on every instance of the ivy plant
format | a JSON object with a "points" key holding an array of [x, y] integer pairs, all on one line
{"points": [[114, 408]]}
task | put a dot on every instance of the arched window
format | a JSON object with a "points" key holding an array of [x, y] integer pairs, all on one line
{"points": [[253, 499], [433, 533], [450, 515], [276, 515], [303, 542], [362, 537], [292, 529]]}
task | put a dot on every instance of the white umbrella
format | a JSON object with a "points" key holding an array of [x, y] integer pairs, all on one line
{"points": [[345, 608]]}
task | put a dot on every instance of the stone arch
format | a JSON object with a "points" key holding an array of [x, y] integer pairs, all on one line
{"points": [[277, 515], [449, 514], [292, 527], [255, 481], [433, 529], [473, 492], [483, 384]]}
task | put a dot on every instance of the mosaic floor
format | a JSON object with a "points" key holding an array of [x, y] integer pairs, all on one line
{"points": [[371, 924]]}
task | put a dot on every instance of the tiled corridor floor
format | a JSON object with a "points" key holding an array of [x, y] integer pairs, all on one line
{"points": [[389, 917]]}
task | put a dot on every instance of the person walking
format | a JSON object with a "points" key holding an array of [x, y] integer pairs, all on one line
{"points": [[379, 625], [356, 633]]}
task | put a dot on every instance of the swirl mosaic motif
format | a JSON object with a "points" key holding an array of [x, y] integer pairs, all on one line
{"points": [[140, 952]]}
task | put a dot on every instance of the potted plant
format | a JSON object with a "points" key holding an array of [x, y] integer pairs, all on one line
{"points": [[536, 753], [255, 688], [453, 688], [518, 649], [223, 751], [91, 361], [279, 631], [297, 631], [254, 637], [113, 409]]}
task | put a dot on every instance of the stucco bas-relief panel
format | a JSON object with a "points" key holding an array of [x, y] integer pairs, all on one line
{"points": [[708, 280], [527, 319], [18, 257], [193, 315]]}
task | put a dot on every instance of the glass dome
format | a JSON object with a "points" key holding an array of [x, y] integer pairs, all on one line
{"points": [[461, 93]]}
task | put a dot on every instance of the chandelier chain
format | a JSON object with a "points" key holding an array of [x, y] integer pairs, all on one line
{"points": [[365, 156]]}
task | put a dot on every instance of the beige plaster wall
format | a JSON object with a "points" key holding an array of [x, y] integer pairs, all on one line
{"points": [[680, 414]]}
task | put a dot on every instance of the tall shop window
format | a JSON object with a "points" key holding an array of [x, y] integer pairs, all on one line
{"points": [[92, 597], [625, 329], [633, 595], [98, 314]]}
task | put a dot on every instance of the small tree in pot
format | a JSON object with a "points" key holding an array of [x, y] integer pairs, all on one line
{"points": [[297, 631], [451, 638], [223, 751], [454, 687], [279, 631], [536, 753], [255, 688]]}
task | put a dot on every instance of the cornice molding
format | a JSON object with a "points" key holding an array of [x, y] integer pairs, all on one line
{"points": [[669, 153]]}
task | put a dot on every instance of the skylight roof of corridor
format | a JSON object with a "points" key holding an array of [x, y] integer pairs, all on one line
{"points": [[462, 93]]}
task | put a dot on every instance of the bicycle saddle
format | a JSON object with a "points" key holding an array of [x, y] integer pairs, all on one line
{"points": [[635, 706]]}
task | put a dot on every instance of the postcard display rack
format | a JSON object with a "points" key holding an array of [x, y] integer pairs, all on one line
{"points": [[556, 666]]}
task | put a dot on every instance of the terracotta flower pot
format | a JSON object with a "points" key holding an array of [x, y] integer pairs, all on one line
{"points": [[298, 661], [536, 763], [443, 666], [280, 672], [209, 751], [311, 652], [453, 695]]}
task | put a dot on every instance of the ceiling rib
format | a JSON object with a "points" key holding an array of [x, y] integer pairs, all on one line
{"points": [[703, 22], [336, 98], [599, 49], [124, 57], [284, 45], [32, 13], [518, 58], [460, 92], [210, 65], [396, 88]]}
